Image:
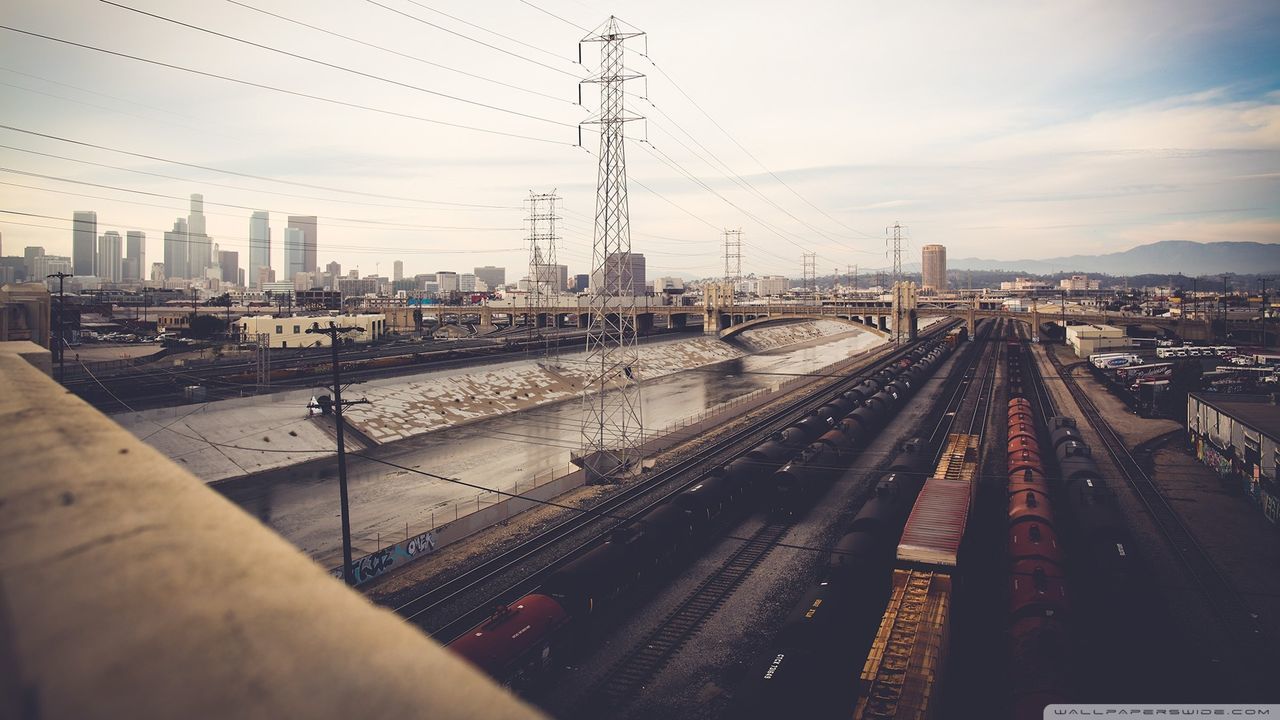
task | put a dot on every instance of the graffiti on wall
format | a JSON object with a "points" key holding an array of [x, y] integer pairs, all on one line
{"points": [[379, 563]]}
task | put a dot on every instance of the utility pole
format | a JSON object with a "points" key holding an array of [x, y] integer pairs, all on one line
{"points": [[612, 424], [334, 333], [1222, 304], [62, 340], [1264, 312]]}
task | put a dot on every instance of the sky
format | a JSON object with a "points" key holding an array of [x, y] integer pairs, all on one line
{"points": [[1003, 130]]}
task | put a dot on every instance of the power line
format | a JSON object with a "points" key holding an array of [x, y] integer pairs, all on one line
{"points": [[241, 243], [491, 32], [236, 173], [464, 36], [294, 93], [397, 53], [748, 152], [548, 12], [335, 66], [383, 224]]}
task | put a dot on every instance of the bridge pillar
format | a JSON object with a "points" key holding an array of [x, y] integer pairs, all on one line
{"points": [[913, 326], [486, 319], [1035, 324], [644, 322], [972, 325]]}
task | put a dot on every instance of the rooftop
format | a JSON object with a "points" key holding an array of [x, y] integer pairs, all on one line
{"points": [[1259, 412]]}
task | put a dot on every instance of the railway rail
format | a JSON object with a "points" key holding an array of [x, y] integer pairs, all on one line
{"points": [[627, 679], [1233, 614], [456, 605]]}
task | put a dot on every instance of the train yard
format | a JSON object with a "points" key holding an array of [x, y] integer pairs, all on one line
{"points": [[881, 547]]}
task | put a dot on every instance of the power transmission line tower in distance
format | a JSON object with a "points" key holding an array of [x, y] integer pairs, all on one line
{"points": [[544, 276], [612, 426], [732, 259], [810, 275], [896, 239]]}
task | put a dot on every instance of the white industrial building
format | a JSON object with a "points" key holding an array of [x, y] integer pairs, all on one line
{"points": [[1089, 339], [291, 332]]}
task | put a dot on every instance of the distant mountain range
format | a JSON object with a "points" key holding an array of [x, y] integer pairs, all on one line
{"points": [[1168, 257]]}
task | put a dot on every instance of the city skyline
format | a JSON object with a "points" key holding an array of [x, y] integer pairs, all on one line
{"points": [[1162, 124]]}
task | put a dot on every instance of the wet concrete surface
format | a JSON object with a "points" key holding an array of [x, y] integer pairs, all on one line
{"points": [[301, 502]]}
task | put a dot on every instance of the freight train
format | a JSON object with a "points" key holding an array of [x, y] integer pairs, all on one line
{"points": [[782, 475], [809, 660], [1041, 613]]}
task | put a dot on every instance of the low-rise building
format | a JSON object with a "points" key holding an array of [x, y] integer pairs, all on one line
{"points": [[1089, 339], [1239, 437], [291, 332]]}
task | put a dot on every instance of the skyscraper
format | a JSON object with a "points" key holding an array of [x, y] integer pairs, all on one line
{"points": [[229, 262], [175, 250], [631, 268], [294, 251], [135, 265], [259, 245], [307, 224], [110, 255], [199, 244], [397, 271], [494, 277], [84, 242], [934, 268]]}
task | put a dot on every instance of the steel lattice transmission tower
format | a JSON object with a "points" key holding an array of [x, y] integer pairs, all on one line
{"points": [[810, 277], [896, 239], [898, 288], [612, 425], [544, 274], [732, 259]]}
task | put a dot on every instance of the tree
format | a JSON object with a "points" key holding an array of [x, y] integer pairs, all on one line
{"points": [[204, 327]]}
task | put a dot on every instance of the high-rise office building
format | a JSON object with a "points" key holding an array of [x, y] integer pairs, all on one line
{"points": [[175, 251], [294, 251], [494, 277], [110, 255], [229, 262], [259, 245], [934, 268], [397, 271], [467, 282], [84, 242], [307, 225], [448, 281], [29, 255], [135, 255], [623, 275], [199, 244]]}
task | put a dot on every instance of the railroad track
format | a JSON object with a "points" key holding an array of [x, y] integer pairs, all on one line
{"points": [[453, 607], [1229, 607], [627, 678]]}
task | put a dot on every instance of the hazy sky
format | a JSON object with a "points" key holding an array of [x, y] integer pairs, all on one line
{"points": [[1006, 130]]}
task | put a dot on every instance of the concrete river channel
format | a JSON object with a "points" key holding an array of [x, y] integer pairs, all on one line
{"points": [[300, 502]]}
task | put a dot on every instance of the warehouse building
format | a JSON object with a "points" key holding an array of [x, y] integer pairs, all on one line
{"points": [[1089, 339], [291, 332], [1239, 437]]}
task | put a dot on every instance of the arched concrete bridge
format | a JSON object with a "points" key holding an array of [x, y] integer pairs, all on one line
{"points": [[722, 314]]}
